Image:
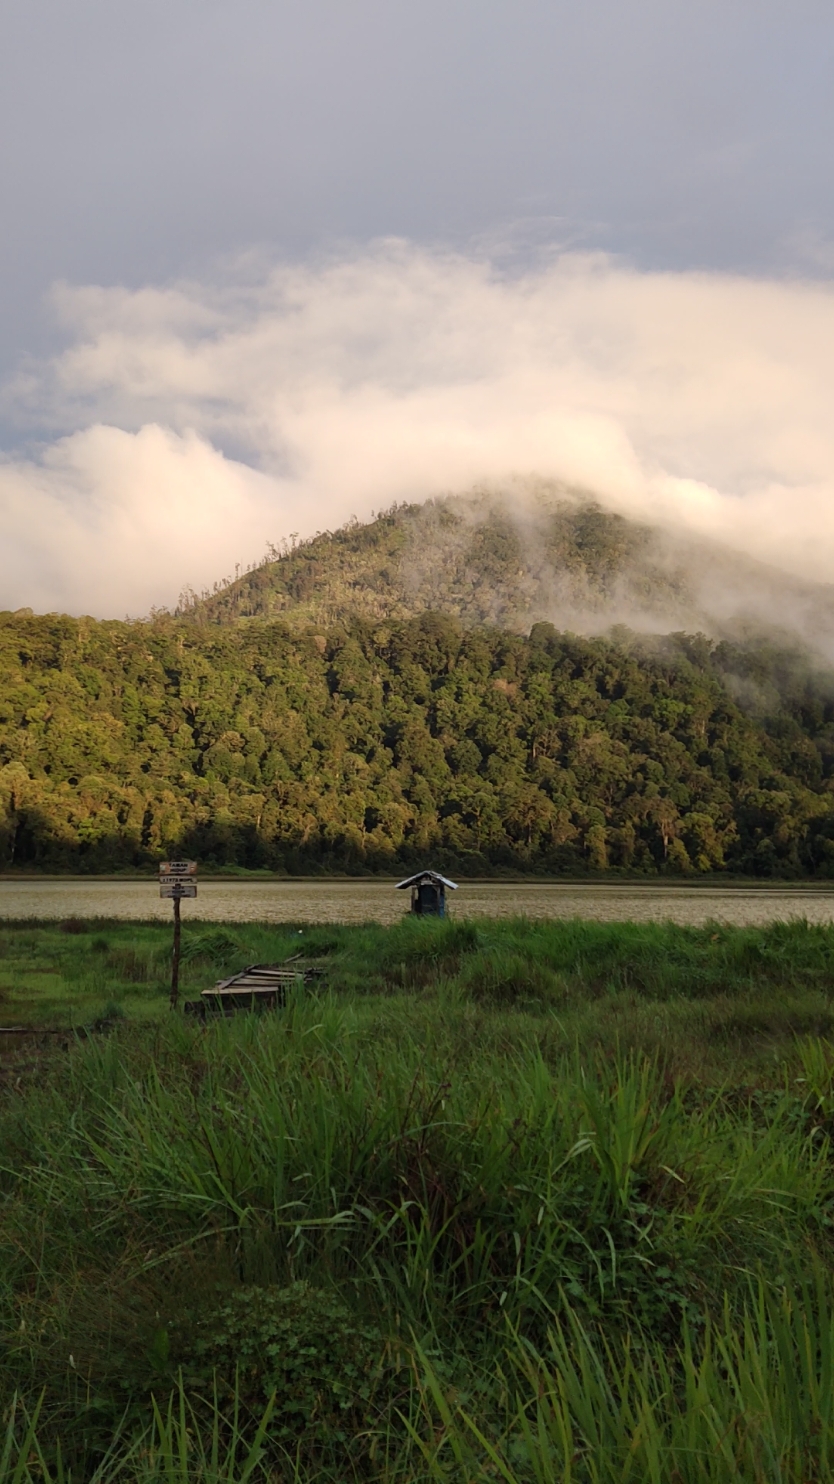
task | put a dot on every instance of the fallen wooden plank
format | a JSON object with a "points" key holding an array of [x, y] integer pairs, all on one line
{"points": [[264, 979]]}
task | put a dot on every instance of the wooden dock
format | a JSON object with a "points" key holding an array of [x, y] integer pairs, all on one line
{"points": [[258, 987]]}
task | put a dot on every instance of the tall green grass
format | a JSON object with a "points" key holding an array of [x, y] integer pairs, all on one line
{"points": [[510, 1215], [641, 982], [445, 1188], [750, 1400]]}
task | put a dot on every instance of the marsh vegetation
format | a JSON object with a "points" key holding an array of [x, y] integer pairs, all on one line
{"points": [[504, 1200]]}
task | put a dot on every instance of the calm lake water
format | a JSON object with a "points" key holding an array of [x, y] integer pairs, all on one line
{"points": [[378, 901]]}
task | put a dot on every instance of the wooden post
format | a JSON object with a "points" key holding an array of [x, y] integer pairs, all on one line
{"points": [[177, 879], [175, 956]]}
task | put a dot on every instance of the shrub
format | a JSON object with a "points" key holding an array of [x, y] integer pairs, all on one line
{"points": [[504, 977], [215, 946], [327, 1371]]}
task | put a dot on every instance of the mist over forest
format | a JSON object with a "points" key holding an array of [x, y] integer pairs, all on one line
{"points": [[493, 686], [519, 553]]}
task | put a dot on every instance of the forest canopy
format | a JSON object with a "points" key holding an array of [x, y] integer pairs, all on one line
{"points": [[372, 746]]}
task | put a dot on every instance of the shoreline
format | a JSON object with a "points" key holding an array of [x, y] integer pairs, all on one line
{"points": [[617, 883]]}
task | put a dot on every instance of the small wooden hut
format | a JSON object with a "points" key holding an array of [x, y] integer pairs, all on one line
{"points": [[428, 893]]}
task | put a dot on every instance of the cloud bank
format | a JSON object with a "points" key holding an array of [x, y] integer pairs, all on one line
{"points": [[190, 425]]}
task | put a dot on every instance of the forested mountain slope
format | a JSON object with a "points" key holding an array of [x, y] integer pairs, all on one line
{"points": [[515, 559], [381, 744]]}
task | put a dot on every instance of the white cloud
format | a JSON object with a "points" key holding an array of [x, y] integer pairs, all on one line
{"points": [[109, 520], [699, 400]]}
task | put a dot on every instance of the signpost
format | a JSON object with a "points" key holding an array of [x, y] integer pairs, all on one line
{"points": [[177, 879]]}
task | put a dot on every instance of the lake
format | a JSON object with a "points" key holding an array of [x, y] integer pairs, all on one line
{"points": [[363, 901]]}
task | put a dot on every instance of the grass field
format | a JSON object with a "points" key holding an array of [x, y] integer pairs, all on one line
{"points": [[518, 1201]]}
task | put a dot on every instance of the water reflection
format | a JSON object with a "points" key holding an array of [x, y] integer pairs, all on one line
{"points": [[377, 901]]}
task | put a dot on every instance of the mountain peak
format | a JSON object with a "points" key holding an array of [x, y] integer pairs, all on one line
{"points": [[513, 559]]}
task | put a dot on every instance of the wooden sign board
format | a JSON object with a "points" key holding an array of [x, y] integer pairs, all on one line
{"points": [[175, 886], [177, 879]]}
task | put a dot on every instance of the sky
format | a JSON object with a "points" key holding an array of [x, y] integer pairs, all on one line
{"points": [[266, 265]]}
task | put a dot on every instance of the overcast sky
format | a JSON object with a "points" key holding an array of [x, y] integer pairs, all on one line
{"points": [[204, 151]]}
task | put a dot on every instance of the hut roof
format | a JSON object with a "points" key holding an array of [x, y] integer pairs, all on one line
{"points": [[427, 877]]}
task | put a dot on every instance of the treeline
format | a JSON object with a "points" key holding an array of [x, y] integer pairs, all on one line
{"points": [[374, 746]]}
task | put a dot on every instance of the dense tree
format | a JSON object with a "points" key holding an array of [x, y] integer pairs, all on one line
{"points": [[371, 745]]}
